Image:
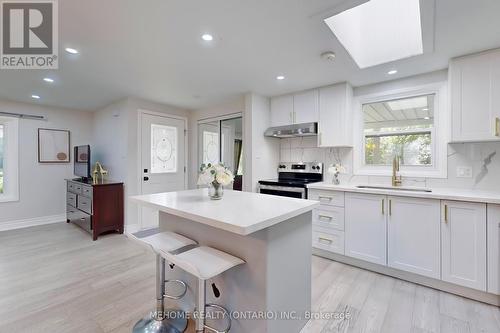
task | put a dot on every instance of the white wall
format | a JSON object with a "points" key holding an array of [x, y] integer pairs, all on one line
{"points": [[42, 189], [262, 153], [232, 106]]}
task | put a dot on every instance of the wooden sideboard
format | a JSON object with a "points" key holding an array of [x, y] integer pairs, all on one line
{"points": [[96, 208]]}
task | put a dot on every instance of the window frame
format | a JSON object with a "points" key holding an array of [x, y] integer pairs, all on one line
{"points": [[11, 159], [439, 132]]}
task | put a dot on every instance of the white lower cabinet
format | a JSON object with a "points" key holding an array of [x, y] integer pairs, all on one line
{"points": [[328, 239], [493, 231], [366, 227], [463, 244], [413, 235]]}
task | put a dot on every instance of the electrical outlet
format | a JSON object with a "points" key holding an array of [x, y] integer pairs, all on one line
{"points": [[464, 172]]}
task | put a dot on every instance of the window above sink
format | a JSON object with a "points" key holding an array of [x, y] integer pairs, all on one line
{"points": [[410, 123]]}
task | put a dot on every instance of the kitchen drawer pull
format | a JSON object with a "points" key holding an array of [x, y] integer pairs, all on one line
{"points": [[325, 198], [325, 217], [497, 126], [323, 239]]}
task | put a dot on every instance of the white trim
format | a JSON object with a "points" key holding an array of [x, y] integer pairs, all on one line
{"points": [[31, 222], [440, 132], [11, 159], [141, 112]]}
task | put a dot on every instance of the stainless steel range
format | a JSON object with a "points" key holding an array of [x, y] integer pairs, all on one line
{"points": [[293, 179]]}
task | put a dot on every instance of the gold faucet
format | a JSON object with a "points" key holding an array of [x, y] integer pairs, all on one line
{"points": [[98, 170], [396, 180]]}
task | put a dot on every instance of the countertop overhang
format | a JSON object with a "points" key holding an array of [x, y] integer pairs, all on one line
{"points": [[457, 194], [238, 212]]}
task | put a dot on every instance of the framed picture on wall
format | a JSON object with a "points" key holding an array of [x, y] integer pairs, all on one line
{"points": [[53, 146]]}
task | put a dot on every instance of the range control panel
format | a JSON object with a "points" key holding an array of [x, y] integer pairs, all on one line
{"points": [[308, 167]]}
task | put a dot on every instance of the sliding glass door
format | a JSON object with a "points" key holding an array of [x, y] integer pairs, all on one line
{"points": [[221, 140]]}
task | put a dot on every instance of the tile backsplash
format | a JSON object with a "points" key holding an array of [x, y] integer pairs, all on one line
{"points": [[482, 158]]}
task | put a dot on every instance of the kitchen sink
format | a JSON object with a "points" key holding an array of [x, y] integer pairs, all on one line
{"points": [[393, 188]]}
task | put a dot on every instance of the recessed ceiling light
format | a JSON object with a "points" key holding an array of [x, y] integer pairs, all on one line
{"points": [[48, 79], [427, 118], [392, 72], [71, 50], [35, 96], [363, 31], [207, 37], [280, 77]]}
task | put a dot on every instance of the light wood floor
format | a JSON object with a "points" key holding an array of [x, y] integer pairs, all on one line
{"points": [[54, 279]]}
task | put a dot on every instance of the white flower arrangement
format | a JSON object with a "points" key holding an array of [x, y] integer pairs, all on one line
{"points": [[215, 174], [336, 169]]}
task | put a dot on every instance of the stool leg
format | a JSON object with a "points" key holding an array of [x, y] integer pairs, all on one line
{"points": [[158, 322], [160, 287], [200, 305]]}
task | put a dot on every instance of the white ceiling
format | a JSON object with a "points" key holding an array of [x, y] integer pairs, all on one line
{"points": [[152, 49]]}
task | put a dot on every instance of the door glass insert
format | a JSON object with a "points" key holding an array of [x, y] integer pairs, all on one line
{"points": [[164, 149]]}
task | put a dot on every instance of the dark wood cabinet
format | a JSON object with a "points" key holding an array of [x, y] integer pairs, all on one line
{"points": [[97, 208]]}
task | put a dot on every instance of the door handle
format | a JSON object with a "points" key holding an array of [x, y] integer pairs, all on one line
{"points": [[390, 207], [445, 213], [497, 126], [383, 206], [146, 179]]}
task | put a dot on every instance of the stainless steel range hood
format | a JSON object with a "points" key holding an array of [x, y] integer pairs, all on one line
{"points": [[289, 131]]}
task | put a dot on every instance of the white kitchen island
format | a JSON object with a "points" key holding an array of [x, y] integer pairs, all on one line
{"points": [[271, 292]]}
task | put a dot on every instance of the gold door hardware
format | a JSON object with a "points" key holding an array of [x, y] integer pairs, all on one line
{"points": [[446, 213], [497, 126], [390, 207], [383, 208], [325, 217]]}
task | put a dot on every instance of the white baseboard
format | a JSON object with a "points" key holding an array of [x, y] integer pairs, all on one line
{"points": [[130, 228], [18, 224]]}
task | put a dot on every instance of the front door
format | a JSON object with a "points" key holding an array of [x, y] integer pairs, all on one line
{"points": [[163, 169]]}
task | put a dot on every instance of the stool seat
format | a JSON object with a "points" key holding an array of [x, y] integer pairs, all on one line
{"points": [[203, 262], [159, 241]]}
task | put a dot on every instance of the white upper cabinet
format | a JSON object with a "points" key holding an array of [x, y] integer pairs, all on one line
{"points": [[413, 235], [335, 116], [475, 102], [493, 231], [306, 107], [295, 109], [282, 110], [463, 244], [366, 227]]}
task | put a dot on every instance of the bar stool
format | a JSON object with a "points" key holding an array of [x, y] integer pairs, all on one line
{"points": [[163, 242], [205, 263]]}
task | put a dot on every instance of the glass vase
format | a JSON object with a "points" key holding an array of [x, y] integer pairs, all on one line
{"points": [[215, 191]]}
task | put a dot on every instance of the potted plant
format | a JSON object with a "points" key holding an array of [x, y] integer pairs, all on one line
{"points": [[216, 176]]}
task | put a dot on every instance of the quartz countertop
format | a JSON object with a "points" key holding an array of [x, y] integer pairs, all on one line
{"points": [[241, 213], [457, 194]]}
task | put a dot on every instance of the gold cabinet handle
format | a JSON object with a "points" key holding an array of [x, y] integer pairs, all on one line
{"points": [[383, 206], [390, 207], [329, 218], [329, 241], [324, 198], [445, 213], [497, 126]]}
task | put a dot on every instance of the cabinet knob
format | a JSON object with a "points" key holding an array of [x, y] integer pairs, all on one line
{"points": [[146, 179]]}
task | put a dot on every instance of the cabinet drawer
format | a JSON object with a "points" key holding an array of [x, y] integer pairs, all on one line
{"points": [[85, 222], [87, 191], [84, 204], [329, 217], [328, 240], [74, 188], [71, 199], [330, 198], [73, 214]]}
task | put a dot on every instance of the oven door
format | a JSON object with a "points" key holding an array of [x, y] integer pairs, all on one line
{"points": [[292, 192]]}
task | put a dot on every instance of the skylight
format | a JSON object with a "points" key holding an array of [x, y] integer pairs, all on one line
{"points": [[379, 31]]}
